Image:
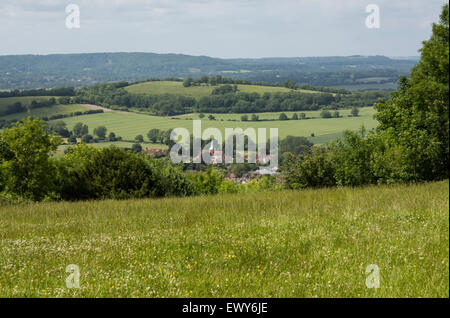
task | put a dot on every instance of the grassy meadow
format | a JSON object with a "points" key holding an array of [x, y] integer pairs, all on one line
{"points": [[311, 243], [47, 111], [168, 87], [129, 125]]}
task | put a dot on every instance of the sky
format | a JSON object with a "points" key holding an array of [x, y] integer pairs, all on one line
{"points": [[218, 28]]}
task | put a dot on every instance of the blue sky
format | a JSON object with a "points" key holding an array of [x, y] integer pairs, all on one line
{"points": [[218, 28]]}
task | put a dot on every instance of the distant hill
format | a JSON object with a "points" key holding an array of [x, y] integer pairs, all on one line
{"points": [[58, 70]]}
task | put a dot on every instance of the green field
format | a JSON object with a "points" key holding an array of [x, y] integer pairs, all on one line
{"points": [[129, 125], [47, 111], [311, 243], [26, 101], [167, 87]]}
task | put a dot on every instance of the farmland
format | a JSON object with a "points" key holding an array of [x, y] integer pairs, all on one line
{"points": [[129, 125], [168, 87], [310, 243], [25, 100], [47, 111]]}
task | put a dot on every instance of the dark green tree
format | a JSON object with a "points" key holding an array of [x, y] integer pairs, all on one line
{"points": [[153, 135], [416, 118], [139, 138], [283, 116], [100, 131], [26, 163]]}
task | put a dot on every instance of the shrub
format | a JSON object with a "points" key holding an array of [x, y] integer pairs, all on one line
{"points": [[283, 116], [325, 114], [92, 173], [208, 182], [311, 170], [355, 112]]}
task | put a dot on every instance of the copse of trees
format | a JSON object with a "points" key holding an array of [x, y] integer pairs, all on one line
{"points": [[29, 170], [80, 129], [160, 136]]}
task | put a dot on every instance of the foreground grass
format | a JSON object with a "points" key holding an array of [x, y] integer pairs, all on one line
{"points": [[313, 243]]}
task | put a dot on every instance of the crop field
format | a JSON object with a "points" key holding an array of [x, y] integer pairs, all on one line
{"points": [[129, 125], [311, 243], [167, 87]]}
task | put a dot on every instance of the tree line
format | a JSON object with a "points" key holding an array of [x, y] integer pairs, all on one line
{"points": [[224, 99], [63, 91]]}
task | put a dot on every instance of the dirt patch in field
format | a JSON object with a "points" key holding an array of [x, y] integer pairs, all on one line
{"points": [[95, 107]]}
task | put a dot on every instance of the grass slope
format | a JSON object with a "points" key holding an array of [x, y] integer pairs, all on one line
{"points": [[47, 111], [25, 101], [129, 125], [313, 243], [168, 87]]}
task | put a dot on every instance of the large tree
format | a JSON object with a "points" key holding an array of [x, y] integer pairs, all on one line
{"points": [[25, 159], [415, 120]]}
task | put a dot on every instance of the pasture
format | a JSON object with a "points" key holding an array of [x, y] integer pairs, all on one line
{"points": [[47, 111], [25, 100], [311, 243], [168, 87], [129, 125]]}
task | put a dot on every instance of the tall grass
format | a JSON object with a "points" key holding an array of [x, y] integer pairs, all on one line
{"points": [[312, 243]]}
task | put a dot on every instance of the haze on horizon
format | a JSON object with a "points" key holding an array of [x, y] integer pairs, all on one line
{"points": [[218, 28]]}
